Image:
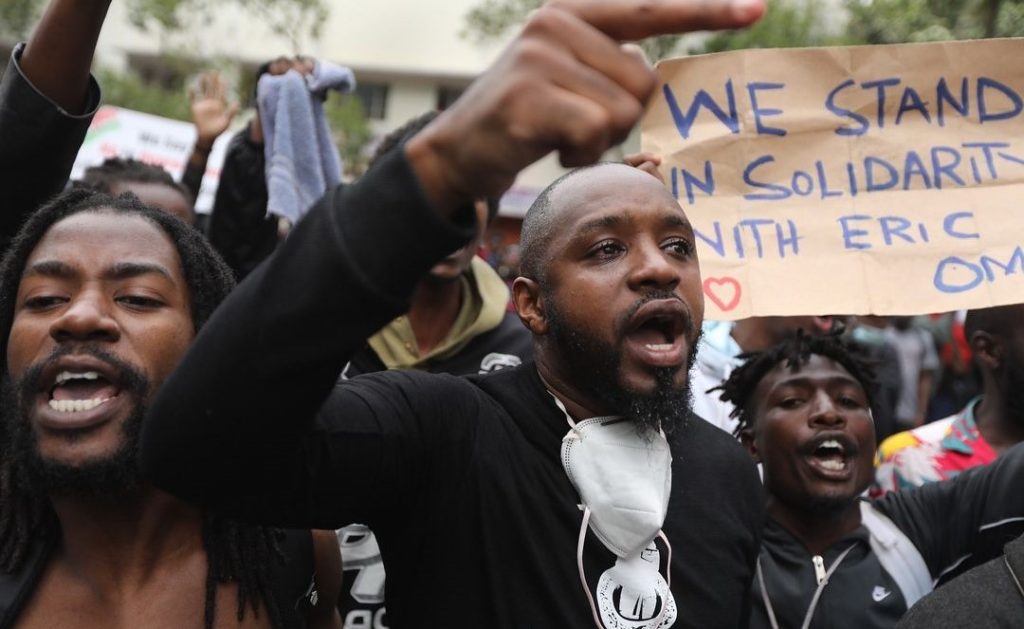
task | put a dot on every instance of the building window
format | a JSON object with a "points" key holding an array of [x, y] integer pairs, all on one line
{"points": [[446, 96], [374, 97]]}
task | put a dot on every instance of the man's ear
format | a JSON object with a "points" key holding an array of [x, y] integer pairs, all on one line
{"points": [[987, 349], [747, 440], [529, 304]]}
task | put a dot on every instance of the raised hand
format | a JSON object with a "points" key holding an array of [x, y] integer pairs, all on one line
{"points": [[564, 84], [211, 111]]}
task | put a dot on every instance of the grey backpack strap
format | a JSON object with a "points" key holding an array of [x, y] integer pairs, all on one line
{"points": [[897, 554]]}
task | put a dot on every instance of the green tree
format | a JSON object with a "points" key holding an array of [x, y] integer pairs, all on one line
{"points": [[894, 21], [786, 24], [18, 16], [352, 132], [493, 19], [291, 19]]}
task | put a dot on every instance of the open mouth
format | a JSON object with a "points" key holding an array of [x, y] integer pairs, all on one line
{"points": [[832, 455], [657, 332], [76, 391]]}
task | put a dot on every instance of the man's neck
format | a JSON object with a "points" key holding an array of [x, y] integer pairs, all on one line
{"points": [[817, 530], [435, 307], [577, 403], [995, 422], [120, 542]]}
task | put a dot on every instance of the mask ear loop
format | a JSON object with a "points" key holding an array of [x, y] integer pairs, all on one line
{"points": [[583, 574], [562, 408]]}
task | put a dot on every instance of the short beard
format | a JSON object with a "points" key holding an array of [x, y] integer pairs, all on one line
{"points": [[596, 368], [113, 475]]}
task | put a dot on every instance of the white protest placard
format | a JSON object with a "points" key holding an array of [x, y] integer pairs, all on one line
{"points": [[868, 179], [117, 132]]}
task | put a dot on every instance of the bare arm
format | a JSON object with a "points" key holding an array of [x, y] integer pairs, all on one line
{"points": [[59, 54]]}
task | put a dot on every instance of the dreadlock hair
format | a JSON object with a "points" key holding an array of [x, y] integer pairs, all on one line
{"points": [[795, 352], [236, 552], [116, 170]]}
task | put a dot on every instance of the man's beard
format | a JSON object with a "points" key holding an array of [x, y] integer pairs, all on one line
{"points": [[111, 475], [596, 368]]}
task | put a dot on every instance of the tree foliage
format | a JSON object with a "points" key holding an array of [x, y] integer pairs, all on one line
{"points": [[291, 19], [893, 21], [792, 23]]}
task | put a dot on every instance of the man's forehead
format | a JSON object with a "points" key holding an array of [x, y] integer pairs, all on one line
{"points": [[103, 238], [610, 188], [817, 370]]}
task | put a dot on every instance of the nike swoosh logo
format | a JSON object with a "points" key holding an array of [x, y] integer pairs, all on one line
{"points": [[879, 594]]}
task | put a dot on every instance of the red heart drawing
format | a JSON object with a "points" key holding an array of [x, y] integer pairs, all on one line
{"points": [[724, 291]]}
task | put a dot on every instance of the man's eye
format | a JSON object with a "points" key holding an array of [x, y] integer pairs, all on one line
{"points": [[849, 402], [791, 403], [44, 302], [140, 301], [680, 247], [607, 249]]}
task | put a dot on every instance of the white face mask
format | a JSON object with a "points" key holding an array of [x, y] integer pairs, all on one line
{"points": [[623, 478], [624, 481]]}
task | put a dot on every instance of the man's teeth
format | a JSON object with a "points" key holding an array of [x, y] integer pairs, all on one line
{"points": [[833, 465], [659, 347], [64, 376], [76, 406], [832, 443]]}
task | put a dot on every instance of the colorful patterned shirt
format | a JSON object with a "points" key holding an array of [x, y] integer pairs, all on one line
{"points": [[936, 451]]}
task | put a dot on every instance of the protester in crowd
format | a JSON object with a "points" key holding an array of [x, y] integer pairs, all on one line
{"points": [[47, 100], [100, 298], [212, 113], [919, 363], [989, 425], [830, 559], [958, 381], [151, 184], [458, 323], [240, 228], [466, 477], [722, 345]]}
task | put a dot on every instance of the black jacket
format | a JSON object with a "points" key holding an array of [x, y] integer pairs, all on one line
{"points": [[953, 524], [460, 478], [990, 596], [239, 227], [38, 145]]}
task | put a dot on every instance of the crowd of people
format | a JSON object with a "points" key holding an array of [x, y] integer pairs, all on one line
{"points": [[328, 415]]}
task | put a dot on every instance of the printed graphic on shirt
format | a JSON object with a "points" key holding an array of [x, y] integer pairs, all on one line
{"points": [[879, 594], [633, 594], [495, 362], [361, 554]]}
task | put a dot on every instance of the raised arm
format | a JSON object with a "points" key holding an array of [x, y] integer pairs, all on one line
{"points": [[47, 100], [246, 398], [968, 518]]}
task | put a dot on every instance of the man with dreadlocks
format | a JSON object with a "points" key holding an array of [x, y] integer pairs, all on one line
{"points": [[99, 298], [829, 558]]}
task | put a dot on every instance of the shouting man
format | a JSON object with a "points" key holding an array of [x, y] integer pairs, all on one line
{"points": [[100, 298], [829, 558], [473, 486]]}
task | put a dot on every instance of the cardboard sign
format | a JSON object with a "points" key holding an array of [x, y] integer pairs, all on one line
{"points": [[869, 179], [117, 132]]}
